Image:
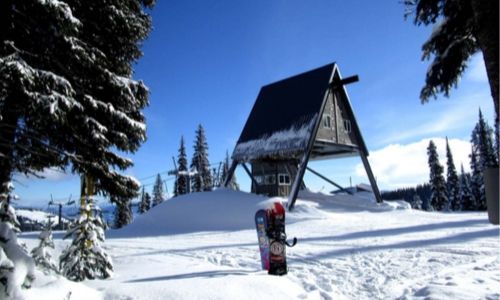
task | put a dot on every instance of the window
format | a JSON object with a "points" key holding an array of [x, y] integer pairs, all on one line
{"points": [[347, 125], [259, 179], [270, 179], [283, 179], [327, 121]]}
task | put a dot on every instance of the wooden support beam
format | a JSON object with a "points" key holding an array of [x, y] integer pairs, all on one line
{"points": [[329, 181], [250, 174], [230, 173], [369, 172]]}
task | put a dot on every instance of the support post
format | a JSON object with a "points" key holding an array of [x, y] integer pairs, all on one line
{"points": [[250, 175], [369, 172], [230, 173], [298, 180], [329, 181]]}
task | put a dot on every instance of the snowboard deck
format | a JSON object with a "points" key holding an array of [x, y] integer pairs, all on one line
{"points": [[270, 225], [277, 240], [261, 225]]}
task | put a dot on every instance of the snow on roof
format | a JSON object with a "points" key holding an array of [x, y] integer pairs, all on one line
{"points": [[291, 140]]}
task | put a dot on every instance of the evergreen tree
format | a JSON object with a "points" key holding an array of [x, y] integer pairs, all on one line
{"points": [[66, 96], [452, 182], [417, 202], [439, 200], [123, 213], [465, 27], [477, 183], [466, 198], [85, 258], [233, 184], [145, 203], [17, 269], [158, 195], [482, 144], [41, 254], [181, 181], [203, 180]]}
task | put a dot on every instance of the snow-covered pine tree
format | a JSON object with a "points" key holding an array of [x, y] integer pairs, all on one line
{"points": [[67, 95], [439, 200], [482, 144], [85, 258], [145, 203], [158, 195], [123, 213], [466, 198], [181, 181], [203, 180], [233, 184], [477, 183], [17, 269], [41, 253], [417, 202], [452, 182]]}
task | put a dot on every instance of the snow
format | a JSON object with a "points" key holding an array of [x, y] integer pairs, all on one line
{"points": [[203, 246], [291, 139], [35, 215]]}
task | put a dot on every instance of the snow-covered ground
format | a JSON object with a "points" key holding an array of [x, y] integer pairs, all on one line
{"points": [[203, 246]]}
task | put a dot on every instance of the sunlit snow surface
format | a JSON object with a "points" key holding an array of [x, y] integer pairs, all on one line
{"points": [[203, 246]]}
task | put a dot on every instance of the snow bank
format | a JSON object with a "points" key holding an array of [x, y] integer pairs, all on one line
{"points": [[360, 201], [221, 209]]}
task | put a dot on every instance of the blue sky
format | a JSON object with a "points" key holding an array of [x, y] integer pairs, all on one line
{"points": [[205, 62]]}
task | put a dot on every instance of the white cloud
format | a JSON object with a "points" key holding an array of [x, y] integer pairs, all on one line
{"points": [[440, 118], [476, 70], [405, 165], [54, 174]]}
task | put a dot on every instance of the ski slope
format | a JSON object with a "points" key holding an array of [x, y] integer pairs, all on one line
{"points": [[203, 246]]}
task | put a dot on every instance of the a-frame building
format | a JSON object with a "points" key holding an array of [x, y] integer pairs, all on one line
{"points": [[301, 118]]}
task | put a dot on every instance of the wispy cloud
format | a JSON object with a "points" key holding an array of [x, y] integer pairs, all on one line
{"points": [[449, 115], [50, 174], [476, 71], [402, 165]]}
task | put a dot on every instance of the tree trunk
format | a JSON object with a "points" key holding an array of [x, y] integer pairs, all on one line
{"points": [[486, 33]]}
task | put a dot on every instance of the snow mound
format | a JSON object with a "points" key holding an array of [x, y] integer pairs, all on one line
{"points": [[222, 209], [359, 201]]}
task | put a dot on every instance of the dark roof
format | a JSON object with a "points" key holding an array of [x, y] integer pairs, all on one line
{"points": [[287, 103]]}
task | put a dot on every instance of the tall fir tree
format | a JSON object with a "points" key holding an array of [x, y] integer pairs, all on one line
{"points": [[477, 182], [233, 184], [158, 195], [145, 203], [181, 180], [67, 99], [483, 145], [203, 180], [85, 258], [41, 253], [466, 198], [123, 213], [17, 269], [417, 202], [452, 181], [439, 199]]}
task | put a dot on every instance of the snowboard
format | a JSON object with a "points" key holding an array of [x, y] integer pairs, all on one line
{"points": [[261, 226], [270, 225]]}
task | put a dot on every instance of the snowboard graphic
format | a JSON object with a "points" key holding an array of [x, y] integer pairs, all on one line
{"points": [[277, 239], [261, 225], [270, 225]]}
